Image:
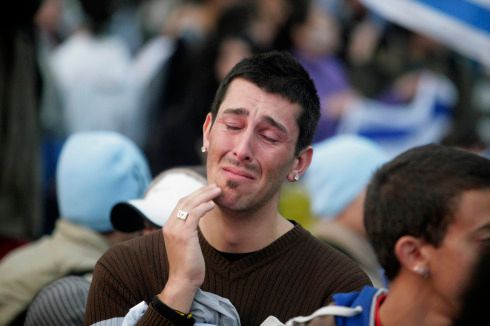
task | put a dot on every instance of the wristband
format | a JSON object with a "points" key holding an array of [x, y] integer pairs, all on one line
{"points": [[177, 317]]}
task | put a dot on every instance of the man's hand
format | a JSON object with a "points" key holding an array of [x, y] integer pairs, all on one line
{"points": [[185, 259]]}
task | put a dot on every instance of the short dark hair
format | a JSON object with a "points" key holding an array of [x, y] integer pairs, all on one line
{"points": [[278, 73], [417, 193]]}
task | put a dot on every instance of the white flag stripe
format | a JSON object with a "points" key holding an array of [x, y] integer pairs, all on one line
{"points": [[413, 15], [484, 3]]}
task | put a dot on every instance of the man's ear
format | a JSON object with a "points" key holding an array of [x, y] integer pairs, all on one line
{"points": [[206, 129], [413, 255], [301, 163]]}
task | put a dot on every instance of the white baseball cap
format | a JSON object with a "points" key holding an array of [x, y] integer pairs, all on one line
{"points": [[159, 201]]}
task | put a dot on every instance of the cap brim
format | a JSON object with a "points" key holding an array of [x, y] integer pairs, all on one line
{"points": [[127, 218]]}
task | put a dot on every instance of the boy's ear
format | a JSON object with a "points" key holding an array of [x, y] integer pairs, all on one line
{"points": [[412, 254]]}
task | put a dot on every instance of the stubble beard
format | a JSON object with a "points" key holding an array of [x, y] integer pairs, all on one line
{"points": [[232, 184], [234, 203], [243, 203], [246, 202]]}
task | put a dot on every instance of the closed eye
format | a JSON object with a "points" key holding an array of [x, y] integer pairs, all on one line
{"points": [[269, 139], [269, 136], [232, 127]]}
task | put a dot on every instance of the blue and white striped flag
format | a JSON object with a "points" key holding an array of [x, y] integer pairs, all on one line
{"points": [[463, 25]]}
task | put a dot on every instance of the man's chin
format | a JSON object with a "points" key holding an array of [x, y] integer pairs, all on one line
{"points": [[228, 201], [225, 200]]}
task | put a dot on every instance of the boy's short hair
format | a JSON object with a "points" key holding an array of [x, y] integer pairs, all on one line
{"points": [[417, 193]]}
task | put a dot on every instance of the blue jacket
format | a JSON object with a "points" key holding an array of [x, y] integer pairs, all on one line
{"points": [[347, 309], [366, 299]]}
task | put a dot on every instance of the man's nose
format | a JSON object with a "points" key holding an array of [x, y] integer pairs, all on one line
{"points": [[244, 146]]}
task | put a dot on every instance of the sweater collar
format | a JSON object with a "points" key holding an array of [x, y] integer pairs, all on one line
{"points": [[216, 261]]}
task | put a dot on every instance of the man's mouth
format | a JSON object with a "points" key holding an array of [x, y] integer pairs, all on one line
{"points": [[236, 173]]}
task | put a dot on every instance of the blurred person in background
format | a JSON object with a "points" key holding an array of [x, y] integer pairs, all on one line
{"points": [[315, 41], [50, 33], [92, 69], [414, 107], [95, 171], [336, 182], [20, 132], [398, 54]]}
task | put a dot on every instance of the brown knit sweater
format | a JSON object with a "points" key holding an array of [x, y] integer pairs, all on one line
{"points": [[294, 275]]}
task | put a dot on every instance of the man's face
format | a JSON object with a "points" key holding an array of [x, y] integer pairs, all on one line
{"points": [[451, 264], [251, 146]]}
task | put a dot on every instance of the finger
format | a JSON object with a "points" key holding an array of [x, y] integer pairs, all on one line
{"points": [[186, 206], [188, 203], [197, 213], [199, 196]]}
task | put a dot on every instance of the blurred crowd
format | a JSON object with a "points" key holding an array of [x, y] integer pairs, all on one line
{"points": [[149, 69]]}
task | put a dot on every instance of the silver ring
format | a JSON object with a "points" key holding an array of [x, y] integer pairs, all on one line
{"points": [[182, 214]]}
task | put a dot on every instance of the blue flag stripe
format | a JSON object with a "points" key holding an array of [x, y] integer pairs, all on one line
{"points": [[467, 12], [463, 25]]}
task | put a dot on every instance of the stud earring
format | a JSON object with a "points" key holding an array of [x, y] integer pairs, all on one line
{"points": [[422, 271], [203, 149], [296, 177]]}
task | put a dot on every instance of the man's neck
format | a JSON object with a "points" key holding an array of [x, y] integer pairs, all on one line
{"points": [[237, 232]]}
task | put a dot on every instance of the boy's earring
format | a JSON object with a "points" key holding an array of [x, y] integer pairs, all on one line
{"points": [[422, 271], [203, 149], [296, 177]]}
